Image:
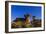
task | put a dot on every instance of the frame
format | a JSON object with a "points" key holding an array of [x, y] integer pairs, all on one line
{"points": [[8, 28]]}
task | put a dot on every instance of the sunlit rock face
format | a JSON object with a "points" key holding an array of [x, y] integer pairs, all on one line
{"points": [[27, 18], [22, 22]]}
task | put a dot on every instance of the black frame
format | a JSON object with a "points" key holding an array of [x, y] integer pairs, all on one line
{"points": [[6, 16]]}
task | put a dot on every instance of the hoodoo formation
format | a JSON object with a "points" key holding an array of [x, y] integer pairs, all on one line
{"points": [[26, 22]]}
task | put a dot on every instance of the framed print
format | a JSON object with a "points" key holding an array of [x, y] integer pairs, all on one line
{"points": [[24, 16]]}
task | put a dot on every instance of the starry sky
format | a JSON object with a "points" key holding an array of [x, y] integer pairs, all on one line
{"points": [[18, 11]]}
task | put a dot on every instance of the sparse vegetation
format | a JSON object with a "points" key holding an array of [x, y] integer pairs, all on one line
{"points": [[26, 23]]}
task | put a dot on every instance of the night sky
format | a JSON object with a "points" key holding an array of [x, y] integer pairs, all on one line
{"points": [[18, 11]]}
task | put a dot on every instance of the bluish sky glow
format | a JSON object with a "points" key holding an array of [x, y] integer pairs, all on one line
{"points": [[19, 11]]}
